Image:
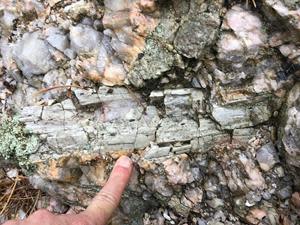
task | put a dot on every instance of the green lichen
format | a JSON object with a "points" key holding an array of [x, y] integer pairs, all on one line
{"points": [[15, 143]]}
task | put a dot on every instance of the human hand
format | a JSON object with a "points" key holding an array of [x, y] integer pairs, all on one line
{"points": [[101, 208]]}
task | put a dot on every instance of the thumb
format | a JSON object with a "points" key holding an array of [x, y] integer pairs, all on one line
{"points": [[107, 200]]}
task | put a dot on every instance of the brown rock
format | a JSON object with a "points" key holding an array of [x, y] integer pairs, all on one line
{"points": [[178, 170], [256, 215], [296, 199]]}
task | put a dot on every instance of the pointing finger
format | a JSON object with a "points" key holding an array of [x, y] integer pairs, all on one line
{"points": [[107, 200]]}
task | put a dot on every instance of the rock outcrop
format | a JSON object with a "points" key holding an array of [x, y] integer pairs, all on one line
{"points": [[202, 95]]}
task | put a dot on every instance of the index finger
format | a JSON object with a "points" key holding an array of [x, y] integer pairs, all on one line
{"points": [[107, 200]]}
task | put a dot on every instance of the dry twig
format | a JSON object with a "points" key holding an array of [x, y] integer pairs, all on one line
{"points": [[35, 202], [10, 195], [44, 90], [16, 194]]}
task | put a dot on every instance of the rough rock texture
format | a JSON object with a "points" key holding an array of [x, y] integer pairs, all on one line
{"points": [[291, 131], [267, 157], [32, 55], [202, 95]]}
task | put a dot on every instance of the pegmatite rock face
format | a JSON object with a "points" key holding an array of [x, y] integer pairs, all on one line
{"points": [[202, 95]]}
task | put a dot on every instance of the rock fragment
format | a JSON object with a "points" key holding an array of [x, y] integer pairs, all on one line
{"points": [[256, 180], [285, 193], [199, 31], [230, 48], [127, 25], [193, 196], [156, 152], [285, 10], [267, 157], [180, 208], [32, 55], [12, 173], [84, 39], [7, 19], [230, 117], [215, 203], [256, 215], [150, 67], [158, 184], [80, 8], [247, 27], [57, 38], [110, 68], [296, 199], [178, 171]]}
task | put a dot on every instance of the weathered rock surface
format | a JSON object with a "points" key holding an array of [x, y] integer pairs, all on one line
{"points": [[267, 157], [199, 30], [57, 38], [291, 131], [32, 55], [202, 95], [84, 39]]}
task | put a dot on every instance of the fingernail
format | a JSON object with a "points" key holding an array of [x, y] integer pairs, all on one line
{"points": [[124, 161]]}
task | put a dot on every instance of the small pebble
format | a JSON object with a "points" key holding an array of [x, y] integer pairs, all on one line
{"points": [[12, 173]]}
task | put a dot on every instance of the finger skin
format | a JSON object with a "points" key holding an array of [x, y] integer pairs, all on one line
{"points": [[12, 222], [39, 217], [107, 200], [101, 208]]}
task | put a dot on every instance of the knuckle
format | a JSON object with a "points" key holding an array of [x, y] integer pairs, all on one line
{"points": [[108, 198]]}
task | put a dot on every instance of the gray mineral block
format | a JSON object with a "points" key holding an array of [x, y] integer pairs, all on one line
{"points": [[32, 55], [267, 157]]}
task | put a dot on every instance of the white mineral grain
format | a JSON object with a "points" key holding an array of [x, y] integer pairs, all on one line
{"points": [[84, 39], [32, 55]]}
